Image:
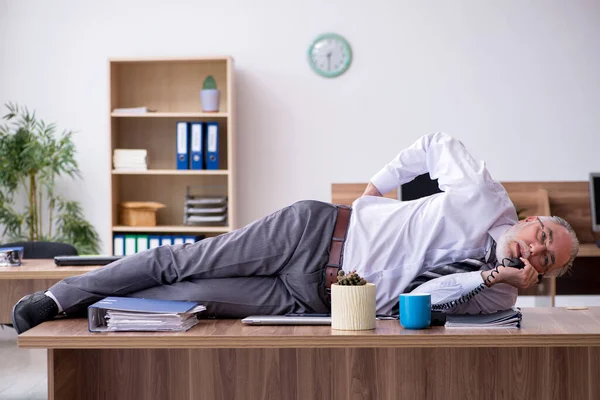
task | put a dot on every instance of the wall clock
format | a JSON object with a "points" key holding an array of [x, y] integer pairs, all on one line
{"points": [[329, 55]]}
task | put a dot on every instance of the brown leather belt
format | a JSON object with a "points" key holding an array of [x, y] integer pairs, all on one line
{"points": [[337, 244]]}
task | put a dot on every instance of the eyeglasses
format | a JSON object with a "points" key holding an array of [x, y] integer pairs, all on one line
{"points": [[546, 239]]}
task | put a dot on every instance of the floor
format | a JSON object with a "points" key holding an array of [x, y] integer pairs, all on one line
{"points": [[22, 371]]}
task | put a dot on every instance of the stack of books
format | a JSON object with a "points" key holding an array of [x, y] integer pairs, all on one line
{"points": [[130, 159], [132, 110], [120, 314], [205, 210]]}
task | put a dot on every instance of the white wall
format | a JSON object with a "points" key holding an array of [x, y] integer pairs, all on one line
{"points": [[515, 80]]}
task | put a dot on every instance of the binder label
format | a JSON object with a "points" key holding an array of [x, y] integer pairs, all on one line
{"points": [[182, 138], [196, 135], [212, 138]]}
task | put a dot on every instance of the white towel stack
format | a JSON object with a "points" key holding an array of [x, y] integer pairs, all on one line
{"points": [[130, 159]]}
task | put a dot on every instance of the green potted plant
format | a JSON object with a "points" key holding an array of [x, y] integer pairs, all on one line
{"points": [[209, 95], [352, 303], [32, 157]]}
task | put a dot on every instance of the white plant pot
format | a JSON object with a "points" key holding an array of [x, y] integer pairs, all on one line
{"points": [[353, 307], [209, 98]]}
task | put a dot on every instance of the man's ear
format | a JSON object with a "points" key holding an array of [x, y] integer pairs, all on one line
{"points": [[530, 218]]}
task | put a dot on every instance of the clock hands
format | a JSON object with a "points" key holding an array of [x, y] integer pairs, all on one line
{"points": [[329, 61]]}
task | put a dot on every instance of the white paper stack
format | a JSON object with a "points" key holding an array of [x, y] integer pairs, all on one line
{"points": [[143, 321], [201, 210], [130, 159], [510, 318], [120, 314], [132, 110]]}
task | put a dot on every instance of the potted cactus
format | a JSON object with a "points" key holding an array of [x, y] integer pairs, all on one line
{"points": [[209, 95], [352, 303]]}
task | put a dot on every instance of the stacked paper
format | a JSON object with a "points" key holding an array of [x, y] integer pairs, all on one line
{"points": [[132, 110], [510, 318], [144, 321], [130, 159], [200, 210], [116, 314]]}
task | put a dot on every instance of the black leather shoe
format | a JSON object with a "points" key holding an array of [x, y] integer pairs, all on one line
{"points": [[32, 310]]}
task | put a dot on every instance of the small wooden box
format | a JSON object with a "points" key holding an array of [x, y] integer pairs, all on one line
{"points": [[139, 213]]}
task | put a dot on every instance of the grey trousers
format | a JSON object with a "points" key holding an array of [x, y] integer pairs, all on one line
{"points": [[274, 265]]}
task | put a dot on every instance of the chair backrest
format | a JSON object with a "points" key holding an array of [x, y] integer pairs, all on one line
{"points": [[421, 186], [37, 250]]}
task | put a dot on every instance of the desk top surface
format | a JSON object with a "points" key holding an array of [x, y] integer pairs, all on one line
{"points": [[42, 269], [541, 327]]}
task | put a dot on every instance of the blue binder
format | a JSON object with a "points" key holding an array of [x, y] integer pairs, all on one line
{"points": [[166, 240], [189, 239], [212, 145], [196, 145], [153, 241], [119, 245], [182, 145]]}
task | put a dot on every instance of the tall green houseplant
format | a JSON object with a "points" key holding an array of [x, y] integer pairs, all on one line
{"points": [[32, 157]]}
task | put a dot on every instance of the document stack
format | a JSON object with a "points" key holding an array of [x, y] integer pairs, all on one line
{"points": [[204, 210], [130, 159], [132, 110], [510, 318], [119, 314]]}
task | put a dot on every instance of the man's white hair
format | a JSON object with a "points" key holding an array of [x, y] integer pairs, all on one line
{"points": [[574, 244]]}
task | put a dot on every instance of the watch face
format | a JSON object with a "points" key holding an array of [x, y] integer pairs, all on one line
{"points": [[330, 55]]}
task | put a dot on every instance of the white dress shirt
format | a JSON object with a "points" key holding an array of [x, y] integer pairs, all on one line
{"points": [[391, 242]]}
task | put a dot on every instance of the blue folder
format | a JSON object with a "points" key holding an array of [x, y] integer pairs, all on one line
{"points": [[182, 144], [196, 145], [212, 145]]}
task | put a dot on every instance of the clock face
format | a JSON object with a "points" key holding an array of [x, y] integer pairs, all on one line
{"points": [[330, 55]]}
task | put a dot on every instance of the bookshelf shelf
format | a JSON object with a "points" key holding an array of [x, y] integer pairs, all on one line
{"points": [[172, 172], [171, 86], [171, 115], [172, 229]]}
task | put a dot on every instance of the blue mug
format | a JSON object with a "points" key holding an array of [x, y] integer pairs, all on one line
{"points": [[415, 310]]}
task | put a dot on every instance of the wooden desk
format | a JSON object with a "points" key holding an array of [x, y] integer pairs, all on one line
{"points": [[588, 250], [33, 275], [556, 354]]}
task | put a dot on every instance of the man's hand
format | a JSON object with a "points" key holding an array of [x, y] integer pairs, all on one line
{"points": [[371, 190], [519, 278]]}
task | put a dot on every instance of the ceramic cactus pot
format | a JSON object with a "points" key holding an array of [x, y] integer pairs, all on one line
{"points": [[209, 95], [353, 307]]}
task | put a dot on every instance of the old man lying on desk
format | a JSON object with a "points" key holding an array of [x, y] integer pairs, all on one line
{"points": [[286, 261]]}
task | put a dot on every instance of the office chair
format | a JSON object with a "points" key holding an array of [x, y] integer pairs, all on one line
{"points": [[37, 250]]}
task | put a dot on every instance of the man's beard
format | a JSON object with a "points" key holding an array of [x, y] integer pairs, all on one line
{"points": [[502, 247]]}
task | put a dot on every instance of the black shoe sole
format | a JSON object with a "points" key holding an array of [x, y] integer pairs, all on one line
{"points": [[12, 315]]}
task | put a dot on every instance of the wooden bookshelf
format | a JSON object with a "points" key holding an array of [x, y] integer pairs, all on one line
{"points": [[171, 88], [172, 229], [171, 172], [172, 115]]}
